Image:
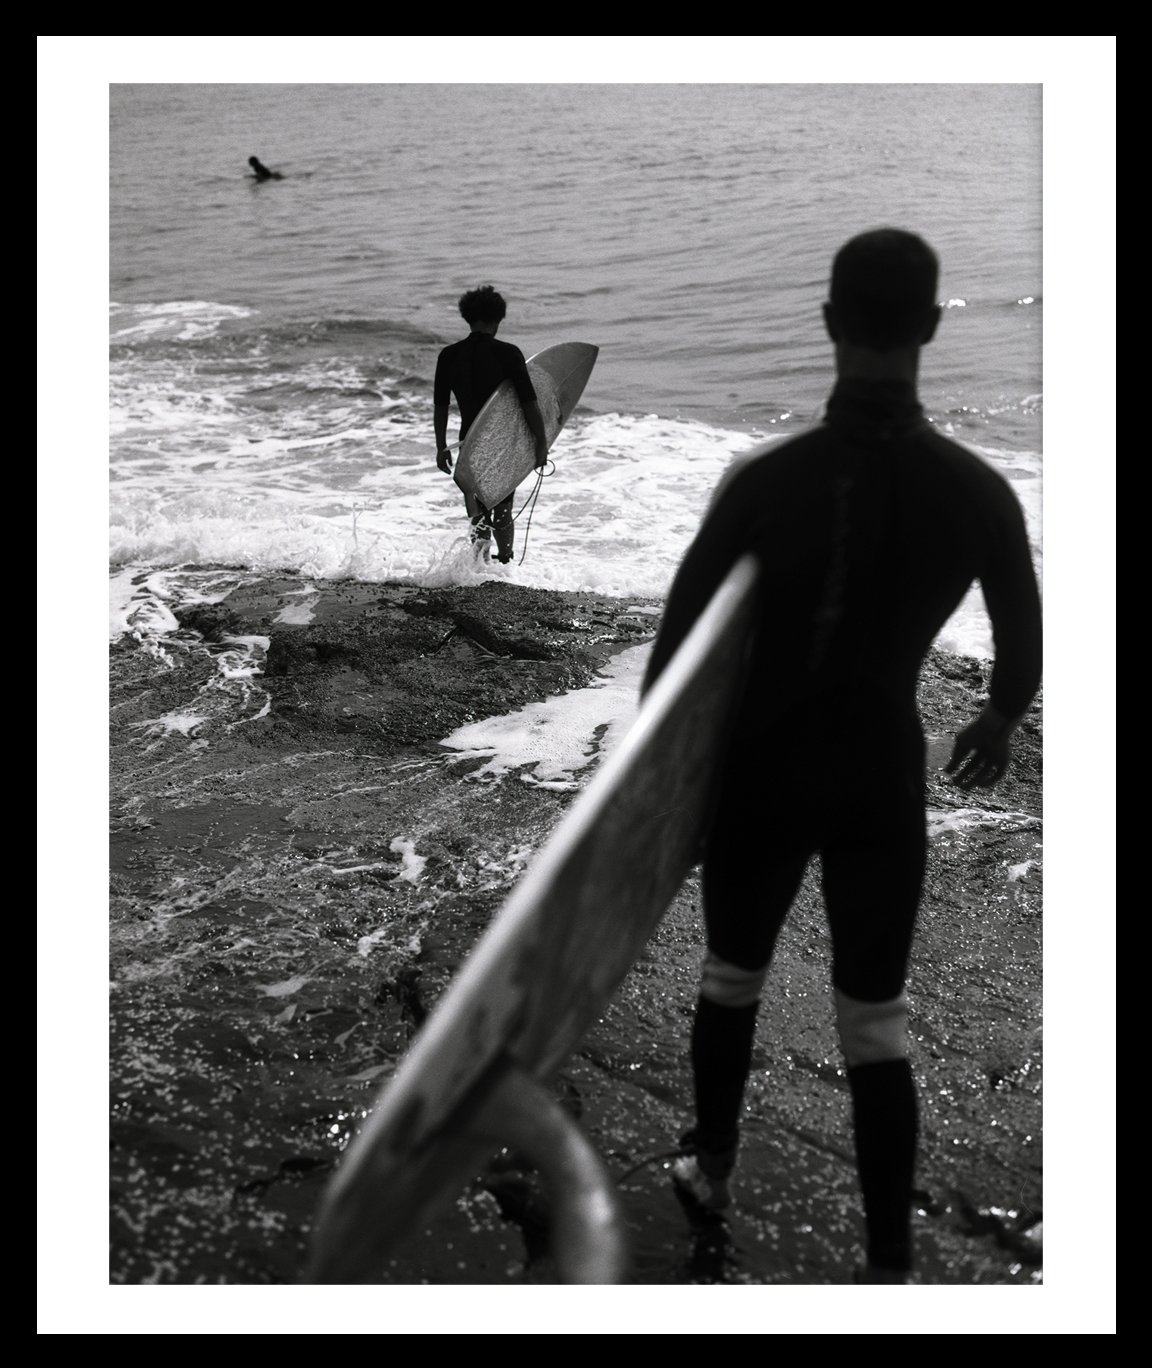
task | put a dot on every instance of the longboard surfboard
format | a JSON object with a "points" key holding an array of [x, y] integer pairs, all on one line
{"points": [[499, 451], [552, 958]]}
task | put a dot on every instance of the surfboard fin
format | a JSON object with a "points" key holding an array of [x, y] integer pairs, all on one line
{"points": [[363, 1220], [586, 1227]]}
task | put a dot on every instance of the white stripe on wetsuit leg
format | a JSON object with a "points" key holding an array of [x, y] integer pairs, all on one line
{"points": [[871, 1032], [728, 985]]}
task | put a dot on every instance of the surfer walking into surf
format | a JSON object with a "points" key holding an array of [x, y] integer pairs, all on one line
{"points": [[868, 530], [470, 370]]}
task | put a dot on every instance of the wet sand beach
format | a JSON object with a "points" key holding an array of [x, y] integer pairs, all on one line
{"points": [[293, 887]]}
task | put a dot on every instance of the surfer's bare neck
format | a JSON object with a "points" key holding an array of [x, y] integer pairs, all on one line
{"points": [[861, 363], [489, 328]]}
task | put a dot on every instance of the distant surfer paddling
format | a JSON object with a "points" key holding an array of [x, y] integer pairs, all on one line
{"points": [[471, 370], [261, 172], [869, 530]]}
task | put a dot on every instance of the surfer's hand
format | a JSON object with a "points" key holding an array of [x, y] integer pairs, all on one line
{"points": [[541, 455], [982, 751], [444, 461]]}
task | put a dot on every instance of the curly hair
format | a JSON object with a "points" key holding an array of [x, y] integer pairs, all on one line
{"points": [[483, 305]]}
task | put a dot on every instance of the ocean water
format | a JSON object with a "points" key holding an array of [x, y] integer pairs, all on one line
{"points": [[686, 229], [272, 345]]}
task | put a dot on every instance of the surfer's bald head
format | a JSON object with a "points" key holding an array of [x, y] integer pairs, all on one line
{"points": [[483, 305], [883, 290]]}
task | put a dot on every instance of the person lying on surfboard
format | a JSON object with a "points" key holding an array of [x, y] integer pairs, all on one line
{"points": [[470, 370], [261, 172], [869, 530]]}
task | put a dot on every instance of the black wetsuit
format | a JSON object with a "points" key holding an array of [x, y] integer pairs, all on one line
{"points": [[472, 369], [869, 530]]}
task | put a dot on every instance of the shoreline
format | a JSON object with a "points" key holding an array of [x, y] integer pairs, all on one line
{"points": [[292, 889]]}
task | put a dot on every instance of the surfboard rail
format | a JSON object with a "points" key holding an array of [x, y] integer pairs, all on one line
{"points": [[551, 960]]}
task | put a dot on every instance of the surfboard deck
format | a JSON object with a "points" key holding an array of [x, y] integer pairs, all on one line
{"points": [[499, 451], [551, 960]]}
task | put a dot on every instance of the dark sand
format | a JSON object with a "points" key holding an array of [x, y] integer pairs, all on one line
{"points": [[252, 1022]]}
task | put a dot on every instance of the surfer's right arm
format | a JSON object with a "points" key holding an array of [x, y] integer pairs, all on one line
{"points": [[441, 394], [440, 427]]}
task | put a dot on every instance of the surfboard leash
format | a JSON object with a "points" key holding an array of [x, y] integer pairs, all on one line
{"points": [[658, 1158], [530, 504]]}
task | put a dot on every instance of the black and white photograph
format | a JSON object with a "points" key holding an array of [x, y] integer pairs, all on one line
{"points": [[561, 800]]}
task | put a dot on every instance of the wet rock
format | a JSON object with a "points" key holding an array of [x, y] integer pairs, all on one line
{"points": [[271, 961]]}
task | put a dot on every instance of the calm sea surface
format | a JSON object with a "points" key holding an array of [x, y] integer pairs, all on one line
{"points": [[273, 345], [686, 229]]}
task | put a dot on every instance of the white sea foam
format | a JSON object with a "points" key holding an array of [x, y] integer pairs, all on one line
{"points": [[285, 988], [550, 742], [183, 722], [298, 614], [959, 821], [181, 320], [622, 500], [411, 864]]}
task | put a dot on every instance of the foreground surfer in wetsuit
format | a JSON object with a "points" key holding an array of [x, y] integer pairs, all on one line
{"points": [[472, 369], [869, 530]]}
